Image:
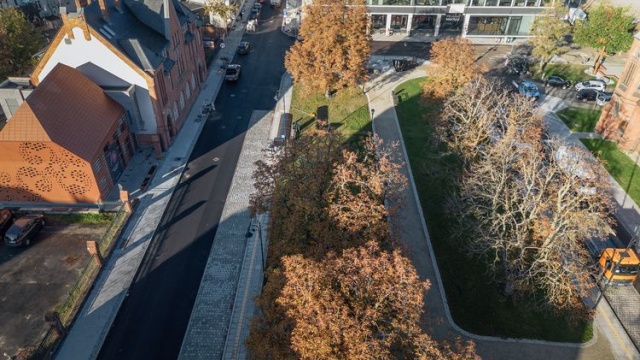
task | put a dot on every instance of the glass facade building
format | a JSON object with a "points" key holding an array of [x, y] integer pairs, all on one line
{"points": [[504, 20]]}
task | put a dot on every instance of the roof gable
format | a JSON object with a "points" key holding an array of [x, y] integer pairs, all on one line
{"points": [[68, 109], [24, 126]]}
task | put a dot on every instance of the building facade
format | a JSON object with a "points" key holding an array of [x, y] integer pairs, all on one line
{"points": [[67, 146], [620, 118], [147, 54], [502, 20]]}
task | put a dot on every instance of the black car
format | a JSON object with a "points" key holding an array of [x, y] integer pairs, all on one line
{"points": [[243, 48], [557, 81], [23, 230], [6, 219], [254, 14], [587, 95], [517, 66]]}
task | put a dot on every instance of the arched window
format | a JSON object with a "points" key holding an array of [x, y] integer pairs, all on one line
{"points": [[175, 110]]}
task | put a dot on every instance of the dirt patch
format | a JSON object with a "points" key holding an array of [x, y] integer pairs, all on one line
{"points": [[38, 278]]}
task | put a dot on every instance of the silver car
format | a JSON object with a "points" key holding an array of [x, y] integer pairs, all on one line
{"points": [[597, 85], [233, 72]]}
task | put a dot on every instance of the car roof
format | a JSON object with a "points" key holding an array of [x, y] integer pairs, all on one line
{"points": [[528, 83], [21, 222]]}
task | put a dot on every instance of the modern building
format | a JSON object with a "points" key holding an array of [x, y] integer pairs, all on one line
{"points": [[146, 54], [498, 20], [620, 118], [68, 142]]}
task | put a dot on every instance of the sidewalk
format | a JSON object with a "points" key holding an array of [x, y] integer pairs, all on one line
{"points": [[101, 307], [610, 340]]}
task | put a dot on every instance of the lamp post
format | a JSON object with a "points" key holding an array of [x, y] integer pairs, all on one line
{"points": [[372, 112]]}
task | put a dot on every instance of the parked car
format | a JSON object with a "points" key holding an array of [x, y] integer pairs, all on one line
{"points": [[517, 66], [587, 95], [603, 98], [244, 48], [233, 72], [254, 14], [527, 89], [6, 219], [257, 6], [23, 230], [598, 85], [557, 81]]}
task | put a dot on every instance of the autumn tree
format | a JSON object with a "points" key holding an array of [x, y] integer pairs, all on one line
{"points": [[363, 304], [219, 12], [453, 64], [360, 184], [524, 205], [19, 42], [322, 198], [549, 34], [336, 46], [608, 29]]}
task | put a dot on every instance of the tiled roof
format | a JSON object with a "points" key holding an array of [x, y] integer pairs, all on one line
{"points": [[66, 108]]}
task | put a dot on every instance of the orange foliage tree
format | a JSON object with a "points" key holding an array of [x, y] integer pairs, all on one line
{"points": [[453, 64], [365, 304], [336, 46]]}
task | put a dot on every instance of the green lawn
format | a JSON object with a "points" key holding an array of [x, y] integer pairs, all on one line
{"points": [[618, 164], [573, 73], [474, 299], [84, 218], [580, 119], [348, 110]]}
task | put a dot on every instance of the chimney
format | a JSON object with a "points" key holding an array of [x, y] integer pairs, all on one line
{"points": [[167, 19], [103, 10], [118, 6]]}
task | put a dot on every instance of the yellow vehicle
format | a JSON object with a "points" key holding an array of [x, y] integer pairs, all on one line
{"points": [[618, 266]]}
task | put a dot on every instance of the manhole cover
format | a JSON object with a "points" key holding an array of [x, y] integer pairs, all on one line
{"points": [[216, 159]]}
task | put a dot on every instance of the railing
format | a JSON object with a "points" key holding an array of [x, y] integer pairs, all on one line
{"points": [[67, 312]]}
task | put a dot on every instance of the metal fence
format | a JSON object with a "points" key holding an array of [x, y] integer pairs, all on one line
{"points": [[68, 310]]}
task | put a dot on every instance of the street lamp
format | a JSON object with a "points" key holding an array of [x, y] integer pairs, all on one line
{"points": [[372, 112]]}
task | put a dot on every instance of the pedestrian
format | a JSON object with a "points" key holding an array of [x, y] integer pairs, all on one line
{"points": [[240, 17]]}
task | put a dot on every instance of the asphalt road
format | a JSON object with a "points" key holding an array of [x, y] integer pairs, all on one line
{"points": [[152, 321]]}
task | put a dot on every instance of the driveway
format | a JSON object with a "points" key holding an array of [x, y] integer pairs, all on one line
{"points": [[36, 279]]}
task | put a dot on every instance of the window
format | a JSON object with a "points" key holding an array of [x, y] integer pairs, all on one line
{"points": [[181, 100], [626, 77], [175, 110], [193, 82], [97, 165], [188, 90], [103, 183]]}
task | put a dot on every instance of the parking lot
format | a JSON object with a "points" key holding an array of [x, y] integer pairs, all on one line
{"points": [[37, 278]]}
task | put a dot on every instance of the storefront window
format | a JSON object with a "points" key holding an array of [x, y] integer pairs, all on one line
{"points": [[504, 3], [487, 25], [491, 3], [378, 22], [500, 25], [451, 24], [399, 22], [423, 24], [396, 2], [427, 2], [447, 2]]}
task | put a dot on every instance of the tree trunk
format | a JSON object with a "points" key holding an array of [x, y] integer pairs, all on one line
{"points": [[599, 60]]}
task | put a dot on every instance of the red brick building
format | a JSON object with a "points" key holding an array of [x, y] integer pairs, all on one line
{"points": [[67, 143], [620, 119]]}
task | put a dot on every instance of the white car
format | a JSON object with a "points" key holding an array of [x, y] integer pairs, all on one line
{"points": [[233, 72], [598, 85]]}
